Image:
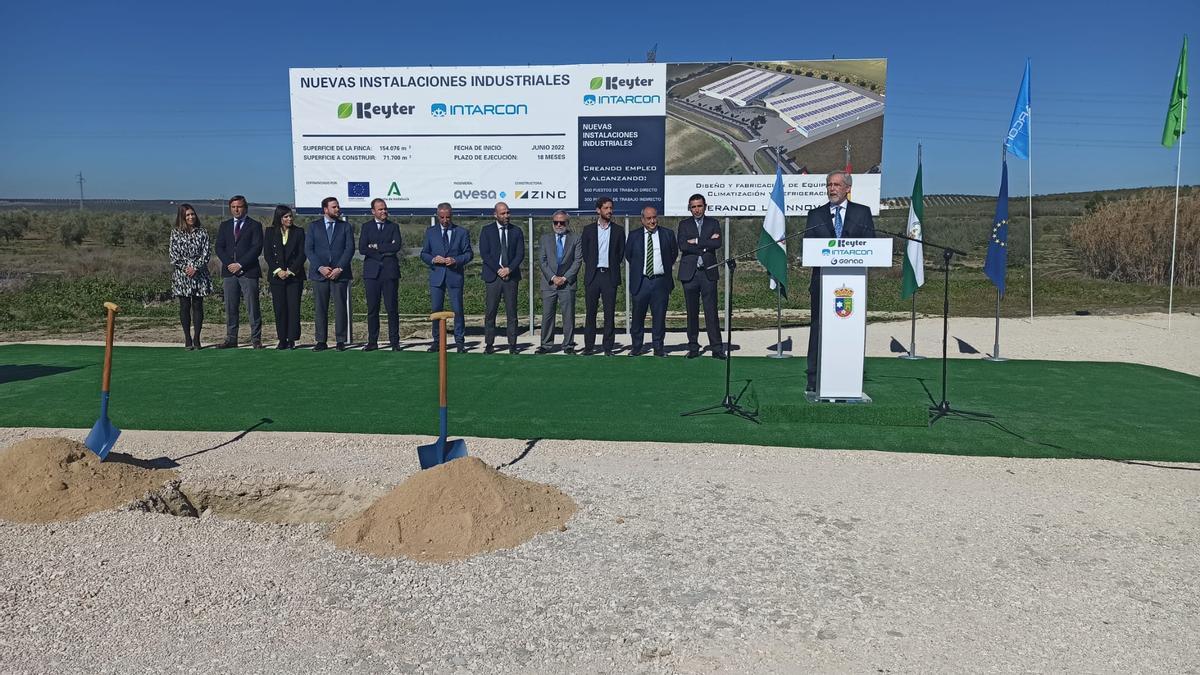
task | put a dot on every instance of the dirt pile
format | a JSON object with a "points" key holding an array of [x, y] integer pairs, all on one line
{"points": [[48, 479], [454, 511]]}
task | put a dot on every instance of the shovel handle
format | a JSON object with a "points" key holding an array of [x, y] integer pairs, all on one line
{"points": [[108, 344], [441, 318]]}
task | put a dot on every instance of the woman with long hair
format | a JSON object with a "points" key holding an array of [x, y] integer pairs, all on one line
{"points": [[283, 249], [190, 280]]}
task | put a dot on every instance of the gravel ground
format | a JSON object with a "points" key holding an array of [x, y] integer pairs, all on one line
{"points": [[684, 558]]}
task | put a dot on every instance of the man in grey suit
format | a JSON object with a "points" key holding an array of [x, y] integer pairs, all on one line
{"points": [[561, 256]]}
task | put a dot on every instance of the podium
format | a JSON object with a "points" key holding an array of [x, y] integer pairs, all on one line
{"points": [[843, 294]]}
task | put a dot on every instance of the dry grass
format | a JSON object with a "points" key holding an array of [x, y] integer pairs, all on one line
{"points": [[1130, 239]]}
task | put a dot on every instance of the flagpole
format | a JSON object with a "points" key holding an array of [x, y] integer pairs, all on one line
{"points": [[995, 356], [779, 324], [1174, 234], [912, 340], [1030, 167]]}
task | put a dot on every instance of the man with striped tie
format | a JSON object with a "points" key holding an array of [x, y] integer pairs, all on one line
{"points": [[650, 251]]}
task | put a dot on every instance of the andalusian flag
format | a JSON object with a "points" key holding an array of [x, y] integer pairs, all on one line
{"points": [[773, 253], [914, 256], [1177, 112]]}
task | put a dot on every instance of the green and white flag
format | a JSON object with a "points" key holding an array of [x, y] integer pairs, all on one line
{"points": [[773, 255], [914, 256]]}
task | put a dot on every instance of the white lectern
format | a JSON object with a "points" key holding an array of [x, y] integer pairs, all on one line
{"points": [[843, 293]]}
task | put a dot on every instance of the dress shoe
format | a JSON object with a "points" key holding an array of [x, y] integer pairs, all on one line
{"points": [[341, 346], [659, 352], [431, 348], [395, 347], [588, 351], [371, 346], [541, 350], [608, 352], [569, 350], [227, 345], [320, 347], [489, 349], [693, 353], [462, 349], [512, 350], [282, 344], [291, 344], [257, 344], [719, 354]]}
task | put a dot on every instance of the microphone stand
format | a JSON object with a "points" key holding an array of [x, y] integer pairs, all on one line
{"points": [[729, 403], [943, 408]]}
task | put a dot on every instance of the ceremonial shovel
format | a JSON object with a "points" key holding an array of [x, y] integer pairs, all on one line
{"points": [[442, 451], [104, 434]]}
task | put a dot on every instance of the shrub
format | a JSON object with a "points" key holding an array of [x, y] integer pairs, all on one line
{"points": [[72, 232], [1130, 239]]}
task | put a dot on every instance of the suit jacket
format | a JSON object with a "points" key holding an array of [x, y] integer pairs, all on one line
{"points": [[489, 251], [591, 250], [244, 250], [635, 253], [857, 223], [325, 252], [572, 259], [701, 253], [289, 256], [459, 249], [382, 262]]}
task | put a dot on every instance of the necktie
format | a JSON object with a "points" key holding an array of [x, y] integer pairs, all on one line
{"points": [[504, 247], [559, 244], [329, 231], [649, 253], [837, 221], [237, 229], [446, 238], [380, 225]]}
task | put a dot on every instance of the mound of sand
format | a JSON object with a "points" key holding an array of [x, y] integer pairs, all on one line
{"points": [[48, 479], [453, 511]]}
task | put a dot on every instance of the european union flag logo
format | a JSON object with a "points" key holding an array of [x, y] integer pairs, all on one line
{"points": [[996, 264], [362, 190]]}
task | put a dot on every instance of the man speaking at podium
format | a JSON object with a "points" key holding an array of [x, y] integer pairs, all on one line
{"points": [[839, 218]]}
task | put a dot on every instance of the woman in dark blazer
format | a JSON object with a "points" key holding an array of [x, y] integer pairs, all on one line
{"points": [[283, 248]]}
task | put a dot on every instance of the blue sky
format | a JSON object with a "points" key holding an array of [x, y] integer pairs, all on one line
{"points": [[190, 100]]}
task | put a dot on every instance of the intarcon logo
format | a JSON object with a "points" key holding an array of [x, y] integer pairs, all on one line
{"points": [[365, 110], [621, 99], [475, 110]]}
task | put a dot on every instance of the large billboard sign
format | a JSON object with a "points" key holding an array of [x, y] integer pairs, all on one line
{"points": [[557, 137]]}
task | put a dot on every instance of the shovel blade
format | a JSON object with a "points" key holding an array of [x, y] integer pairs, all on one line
{"points": [[441, 452], [102, 437]]}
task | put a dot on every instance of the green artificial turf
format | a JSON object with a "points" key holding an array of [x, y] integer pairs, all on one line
{"points": [[1041, 408]]}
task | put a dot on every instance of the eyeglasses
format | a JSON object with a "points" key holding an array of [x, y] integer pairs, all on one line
{"points": [[560, 222]]}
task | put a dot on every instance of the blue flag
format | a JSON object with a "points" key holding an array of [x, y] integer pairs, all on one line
{"points": [[1018, 129], [997, 254]]}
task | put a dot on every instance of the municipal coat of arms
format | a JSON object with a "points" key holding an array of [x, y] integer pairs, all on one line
{"points": [[843, 303]]}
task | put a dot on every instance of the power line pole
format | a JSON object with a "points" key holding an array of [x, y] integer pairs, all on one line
{"points": [[79, 179], [652, 55]]}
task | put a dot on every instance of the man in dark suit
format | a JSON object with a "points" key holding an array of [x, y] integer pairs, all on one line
{"points": [[838, 218], [699, 240], [501, 250], [329, 246], [380, 244], [447, 250], [651, 252], [603, 250], [561, 256], [239, 243]]}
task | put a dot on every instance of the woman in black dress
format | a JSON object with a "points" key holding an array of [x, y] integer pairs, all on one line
{"points": [[190, 281], [283, 249]]}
